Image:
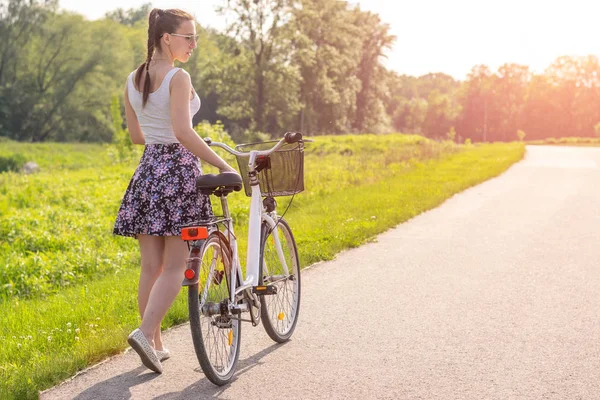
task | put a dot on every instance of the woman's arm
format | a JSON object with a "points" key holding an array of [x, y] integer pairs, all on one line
{"points": [[181, 87], [133, 125]]}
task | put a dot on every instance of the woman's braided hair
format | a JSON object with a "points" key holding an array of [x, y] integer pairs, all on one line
{"points": [[159, 23]]}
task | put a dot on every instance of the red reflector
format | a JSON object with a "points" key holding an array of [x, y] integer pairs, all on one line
{"points": [[194, 233], [189, 274]]}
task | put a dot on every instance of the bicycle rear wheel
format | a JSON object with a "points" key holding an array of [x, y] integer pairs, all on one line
{"points": [[216, 336], [279, 312]]}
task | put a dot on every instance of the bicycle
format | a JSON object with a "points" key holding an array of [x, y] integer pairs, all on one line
{"points": [[218, 293]]}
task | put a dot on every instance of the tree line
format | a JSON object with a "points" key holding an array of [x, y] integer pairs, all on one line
{"points": [[309, 65]]}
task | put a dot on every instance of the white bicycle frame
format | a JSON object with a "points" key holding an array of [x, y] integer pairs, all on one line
{"points": [[258, 215]]}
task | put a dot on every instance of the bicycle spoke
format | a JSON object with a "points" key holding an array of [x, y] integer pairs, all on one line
{"points": [[217, 355], [281, 309]]}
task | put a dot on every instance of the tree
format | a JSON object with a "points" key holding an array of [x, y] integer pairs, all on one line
{"points": [[63, 81], [440, 82], [442, 113], [376, 40], [564, 100], [326, 47], [20, 21], [258, 26], [540, 114], [410, 115], [575, 84], [510, 92], [131, 16], [210, 69], [476, 100]]}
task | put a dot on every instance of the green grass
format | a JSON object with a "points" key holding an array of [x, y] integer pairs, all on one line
{"points": [[57, 229], [57, 224], [568, 141], [61, 156], [70, 286]]}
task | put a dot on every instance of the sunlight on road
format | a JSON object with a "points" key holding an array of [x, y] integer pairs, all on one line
{"points": [[562, 157]]}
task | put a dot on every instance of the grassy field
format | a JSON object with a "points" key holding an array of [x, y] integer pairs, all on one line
{"points": [[568, 141], [68, 286]]}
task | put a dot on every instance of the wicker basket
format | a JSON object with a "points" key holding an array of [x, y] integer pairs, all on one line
{"points": [[284, 171]]}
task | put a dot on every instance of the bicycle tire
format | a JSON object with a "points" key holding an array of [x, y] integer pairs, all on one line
{"points": [[279, 312], [218, 360]]}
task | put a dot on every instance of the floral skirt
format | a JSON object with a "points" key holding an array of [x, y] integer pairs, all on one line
{"points": [[161, 196]]}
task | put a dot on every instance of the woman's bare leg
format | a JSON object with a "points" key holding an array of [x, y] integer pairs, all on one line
{"points": [[166, 287], [158, 344], [151, 250]]}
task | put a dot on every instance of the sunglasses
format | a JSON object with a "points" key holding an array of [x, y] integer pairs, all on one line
{"points": [[189, 38]]}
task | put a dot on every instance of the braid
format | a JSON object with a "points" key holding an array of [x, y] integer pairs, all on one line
{"points": [[152, 22], [151, 32], [159, 22]]}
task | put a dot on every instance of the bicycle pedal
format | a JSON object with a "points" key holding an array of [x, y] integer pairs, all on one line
{"points": [[264, 290]]}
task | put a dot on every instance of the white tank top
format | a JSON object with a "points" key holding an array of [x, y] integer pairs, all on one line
{"points": [[155, 117]]}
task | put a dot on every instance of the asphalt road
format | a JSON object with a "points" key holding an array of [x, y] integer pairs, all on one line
{"points": [[493, 295]]}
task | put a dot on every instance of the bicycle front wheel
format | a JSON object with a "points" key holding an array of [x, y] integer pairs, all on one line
{"points": [[280, 267], [215, 334]]}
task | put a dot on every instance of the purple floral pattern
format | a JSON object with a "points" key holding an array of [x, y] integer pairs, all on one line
{"points": [[161, 196]]}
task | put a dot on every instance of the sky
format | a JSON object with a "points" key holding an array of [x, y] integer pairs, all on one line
{"points": [[442, 35]]}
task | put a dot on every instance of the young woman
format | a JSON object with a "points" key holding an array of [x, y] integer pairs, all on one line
{"points": [[161, 197]]}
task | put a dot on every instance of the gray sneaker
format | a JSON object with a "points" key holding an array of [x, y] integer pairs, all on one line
{"points": [[163, 354], [139, 343]]}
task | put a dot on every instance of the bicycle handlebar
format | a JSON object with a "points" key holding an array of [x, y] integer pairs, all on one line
{"points": [[292, 137], [288, 138]]}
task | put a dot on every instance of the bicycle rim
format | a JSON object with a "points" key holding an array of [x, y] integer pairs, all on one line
{"points": [[279, 312], [216, 339]]}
